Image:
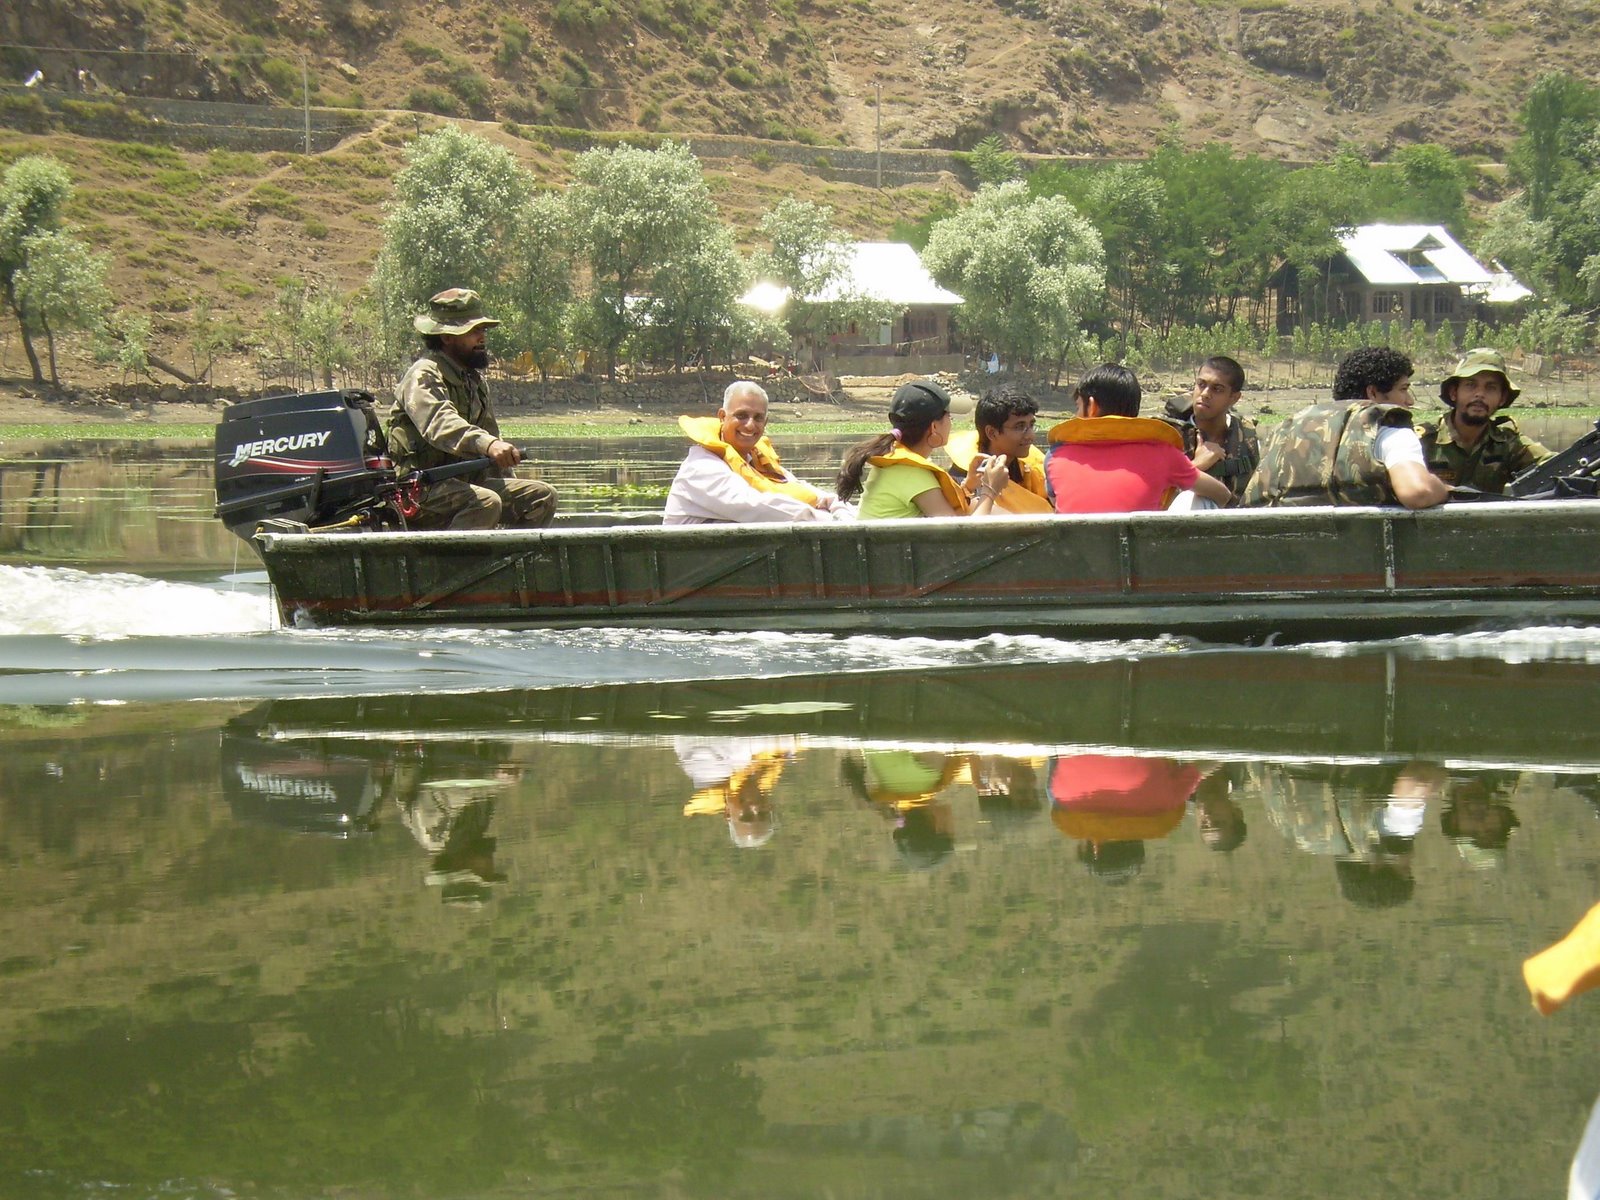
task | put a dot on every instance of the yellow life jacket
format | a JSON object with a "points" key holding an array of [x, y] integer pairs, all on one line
{"points": [[1081, 431], [1023, 498], [899, 456], [764, 769], [762, 472]]}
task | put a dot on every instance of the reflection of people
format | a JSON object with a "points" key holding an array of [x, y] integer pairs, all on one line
{"points": [[1008, 788], [735, 777], [442, 414], [1366, 821], [1113, 804], [1217, 813], [732, 473], [904, 786], [1478, 818], [450, 818]]}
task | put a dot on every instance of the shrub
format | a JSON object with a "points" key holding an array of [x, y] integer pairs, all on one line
{"points": [[282, 76], [741, 77], [433, 100]]}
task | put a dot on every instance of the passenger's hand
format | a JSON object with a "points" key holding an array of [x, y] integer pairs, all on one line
{"points": [[995, 473], [504, 455]]}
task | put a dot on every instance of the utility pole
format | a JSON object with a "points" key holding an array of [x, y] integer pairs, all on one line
{"points": [[305, 99], [877, 133]]}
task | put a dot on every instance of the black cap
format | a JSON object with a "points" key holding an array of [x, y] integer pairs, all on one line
{"points": [[920, 402]]}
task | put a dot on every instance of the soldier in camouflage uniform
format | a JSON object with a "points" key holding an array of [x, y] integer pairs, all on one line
{"points": [[1475, 444], [442, 414], [1216, 439], [1359, 449]]}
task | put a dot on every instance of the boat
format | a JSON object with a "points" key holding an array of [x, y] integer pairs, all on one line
{"points": [[1233, 576]]}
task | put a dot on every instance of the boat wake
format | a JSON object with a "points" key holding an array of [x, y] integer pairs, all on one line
{"points": [[69, 636]]}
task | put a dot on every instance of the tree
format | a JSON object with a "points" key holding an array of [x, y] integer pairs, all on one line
{"points": [[1028, 268], [992, 162], [33, 196], [540, 276], [1558, 114], [634, 214], [458, 206], [807, 255], [61, 286]]}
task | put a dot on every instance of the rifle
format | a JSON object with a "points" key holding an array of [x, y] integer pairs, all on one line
{"points": [[1573, 472], [395, 501]]}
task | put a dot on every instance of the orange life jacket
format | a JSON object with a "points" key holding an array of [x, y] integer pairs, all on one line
{"points": [[761, 472], [1026, 497], [899, 456]]}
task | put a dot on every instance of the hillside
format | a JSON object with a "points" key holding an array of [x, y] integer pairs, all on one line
{"points": [[1288, 79]]}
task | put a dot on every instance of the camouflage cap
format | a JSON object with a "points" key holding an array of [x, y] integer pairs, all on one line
{"points": [[454, 310], [1476, 362]]}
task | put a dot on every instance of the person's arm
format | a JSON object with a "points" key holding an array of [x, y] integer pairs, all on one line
{"points": [[1208, 487], [992, 477], [1417, 487], [1400, 451]]}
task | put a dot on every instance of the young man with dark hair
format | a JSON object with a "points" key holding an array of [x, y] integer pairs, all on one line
{"points": [[1475, 444], [1109, 459], [1004, 420], [1360, 448], [1216, 439]]}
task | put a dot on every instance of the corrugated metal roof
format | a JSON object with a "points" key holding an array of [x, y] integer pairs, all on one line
{"points": [[887, 271], [1378, 253]]}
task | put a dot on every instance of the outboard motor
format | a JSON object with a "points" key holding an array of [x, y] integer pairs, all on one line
{"points": [[316, 458]]}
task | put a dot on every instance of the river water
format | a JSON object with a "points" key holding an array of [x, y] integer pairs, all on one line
{"points": [[474, 914]]}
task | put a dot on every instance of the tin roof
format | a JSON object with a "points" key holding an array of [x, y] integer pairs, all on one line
{"points": [[1389, 255], [889, 271]]}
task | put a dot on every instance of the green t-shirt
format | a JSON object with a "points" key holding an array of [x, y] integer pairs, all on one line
{"points": [[893, 491]]}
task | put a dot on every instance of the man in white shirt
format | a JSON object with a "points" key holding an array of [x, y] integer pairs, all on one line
{"points": [[732, 473]]}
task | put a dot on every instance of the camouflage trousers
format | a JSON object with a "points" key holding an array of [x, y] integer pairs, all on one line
{"points": [[510, 503]]}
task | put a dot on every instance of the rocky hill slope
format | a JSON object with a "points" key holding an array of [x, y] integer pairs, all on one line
{"points": [[1287, 78]]}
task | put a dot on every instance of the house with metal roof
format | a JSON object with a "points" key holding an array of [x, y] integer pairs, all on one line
{"points": [[1398, 273], [917, 338]]}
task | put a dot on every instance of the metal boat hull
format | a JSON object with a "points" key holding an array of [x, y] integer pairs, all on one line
{"points": [[1230, 576]]}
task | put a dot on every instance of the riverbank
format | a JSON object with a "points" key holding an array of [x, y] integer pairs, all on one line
{"points": [[858, 406]]}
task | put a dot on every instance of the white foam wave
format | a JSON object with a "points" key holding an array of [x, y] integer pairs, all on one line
{"points": [[72, 603]]}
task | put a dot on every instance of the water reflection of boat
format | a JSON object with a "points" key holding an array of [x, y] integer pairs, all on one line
{"points": [[1342, 572], [1241, 704]]}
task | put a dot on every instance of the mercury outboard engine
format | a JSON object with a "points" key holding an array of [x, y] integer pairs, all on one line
{"points": [[316, 458]]}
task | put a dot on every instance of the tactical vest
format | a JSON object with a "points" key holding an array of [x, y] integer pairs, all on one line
{"points": [[1326, 454], [468, 393], [1501, 454]]}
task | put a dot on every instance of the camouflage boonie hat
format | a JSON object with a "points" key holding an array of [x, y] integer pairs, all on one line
{"points": [[1476, 362], [455, 311]]}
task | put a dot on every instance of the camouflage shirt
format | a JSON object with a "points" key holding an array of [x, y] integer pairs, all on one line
{"points": [[1326, 454], [441, 414], [1500, 455], [1240, 449]]}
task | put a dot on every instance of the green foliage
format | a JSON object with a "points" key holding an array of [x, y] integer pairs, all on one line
{"points": [[741, 77], [637, 217], [514, 41], [419, 53], [433, 100], [456, 209], [1029, 268], [991, 162], [283, 77]]}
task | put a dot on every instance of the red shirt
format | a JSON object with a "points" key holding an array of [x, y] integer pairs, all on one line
{"points": [[1117, 477]]}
